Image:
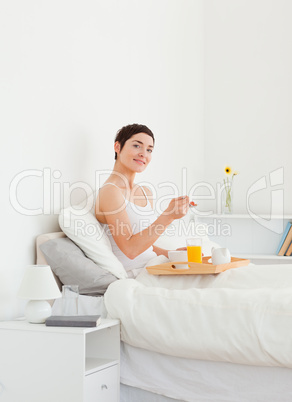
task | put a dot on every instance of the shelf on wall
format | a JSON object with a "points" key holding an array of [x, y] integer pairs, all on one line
{"points": [[263, 256], [245, 236], [242, 216]]}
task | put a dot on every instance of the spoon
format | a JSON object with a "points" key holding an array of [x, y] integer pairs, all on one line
{"points": [[191, 204]]}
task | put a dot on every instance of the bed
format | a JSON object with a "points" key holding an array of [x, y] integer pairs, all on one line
{"points": [[149, 375], [225, 337]]}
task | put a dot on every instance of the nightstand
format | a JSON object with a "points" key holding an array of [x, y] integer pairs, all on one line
{"points": [[60, 364]]}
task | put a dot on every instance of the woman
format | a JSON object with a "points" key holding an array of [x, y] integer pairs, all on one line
{"points": [[127, 208]]}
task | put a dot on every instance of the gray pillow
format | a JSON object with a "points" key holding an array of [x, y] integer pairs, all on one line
{"points": [[70, 264]]}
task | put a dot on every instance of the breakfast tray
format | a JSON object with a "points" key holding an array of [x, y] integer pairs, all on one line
{"points": [[168, 268]]}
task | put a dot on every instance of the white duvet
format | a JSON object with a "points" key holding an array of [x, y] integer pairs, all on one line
{"points": [[242, 315]]}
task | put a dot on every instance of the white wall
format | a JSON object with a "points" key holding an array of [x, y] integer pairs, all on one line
{"points": [[248, 96], [71, 74]]}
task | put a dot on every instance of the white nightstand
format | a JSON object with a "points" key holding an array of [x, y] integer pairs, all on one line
{"points": [[59, 364]]}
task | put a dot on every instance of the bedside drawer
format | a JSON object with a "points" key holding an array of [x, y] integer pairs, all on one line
{"points": [[102, 386]]}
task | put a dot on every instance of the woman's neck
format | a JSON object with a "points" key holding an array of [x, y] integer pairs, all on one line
{"points": [[122, 176]]}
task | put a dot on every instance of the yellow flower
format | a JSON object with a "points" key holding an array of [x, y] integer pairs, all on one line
{"points": [[228, 170], [228, 182]]}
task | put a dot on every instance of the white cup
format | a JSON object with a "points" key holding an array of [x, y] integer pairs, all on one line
{"points": [[179, 256], [220, 256], [70, 295]]}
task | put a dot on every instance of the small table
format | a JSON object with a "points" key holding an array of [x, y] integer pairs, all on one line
{"points": [[60, 364]]}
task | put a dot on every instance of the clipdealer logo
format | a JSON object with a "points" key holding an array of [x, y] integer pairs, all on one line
{"points": [[55, 192], [276, 195]]}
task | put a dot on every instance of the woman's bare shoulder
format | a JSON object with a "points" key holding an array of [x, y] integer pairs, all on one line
{"points": [[110, 198]]}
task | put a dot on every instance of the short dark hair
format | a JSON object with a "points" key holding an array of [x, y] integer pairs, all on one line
{"points": [[127, 132]]}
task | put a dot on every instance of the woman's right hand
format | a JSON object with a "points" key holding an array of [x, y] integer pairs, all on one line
{"points": [[178, 207]]}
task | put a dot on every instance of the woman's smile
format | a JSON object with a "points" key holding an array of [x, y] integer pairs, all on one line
{"points": [[139, 161]]}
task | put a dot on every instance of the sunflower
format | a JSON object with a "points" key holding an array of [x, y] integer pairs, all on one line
{"points": [[228, 170], [228, 182]]}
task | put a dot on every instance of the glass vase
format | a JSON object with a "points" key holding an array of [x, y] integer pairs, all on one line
{"points": [[227, 199]]}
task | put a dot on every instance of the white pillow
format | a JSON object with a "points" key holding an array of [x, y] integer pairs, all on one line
{"points": [[81, 226]]}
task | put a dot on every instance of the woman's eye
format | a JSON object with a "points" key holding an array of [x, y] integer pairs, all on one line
{"points": [[136, 145], [149, 150]]}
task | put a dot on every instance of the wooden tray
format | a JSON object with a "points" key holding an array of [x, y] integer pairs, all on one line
{"points": [[168, 268]]}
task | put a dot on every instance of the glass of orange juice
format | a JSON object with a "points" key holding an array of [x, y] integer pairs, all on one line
{"points": [[194, 248]]}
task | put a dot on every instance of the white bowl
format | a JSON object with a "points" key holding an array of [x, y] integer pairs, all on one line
{"points": [[179, 256]]}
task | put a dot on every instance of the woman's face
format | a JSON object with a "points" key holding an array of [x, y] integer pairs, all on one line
{"points": [[136, 152]]}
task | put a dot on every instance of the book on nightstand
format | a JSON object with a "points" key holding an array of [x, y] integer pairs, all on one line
{"points": [[286, 240], [73, 321]]}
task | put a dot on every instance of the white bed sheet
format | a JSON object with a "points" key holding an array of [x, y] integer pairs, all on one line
{"points": [[198, 380], [193, 380], [242, 316]]}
